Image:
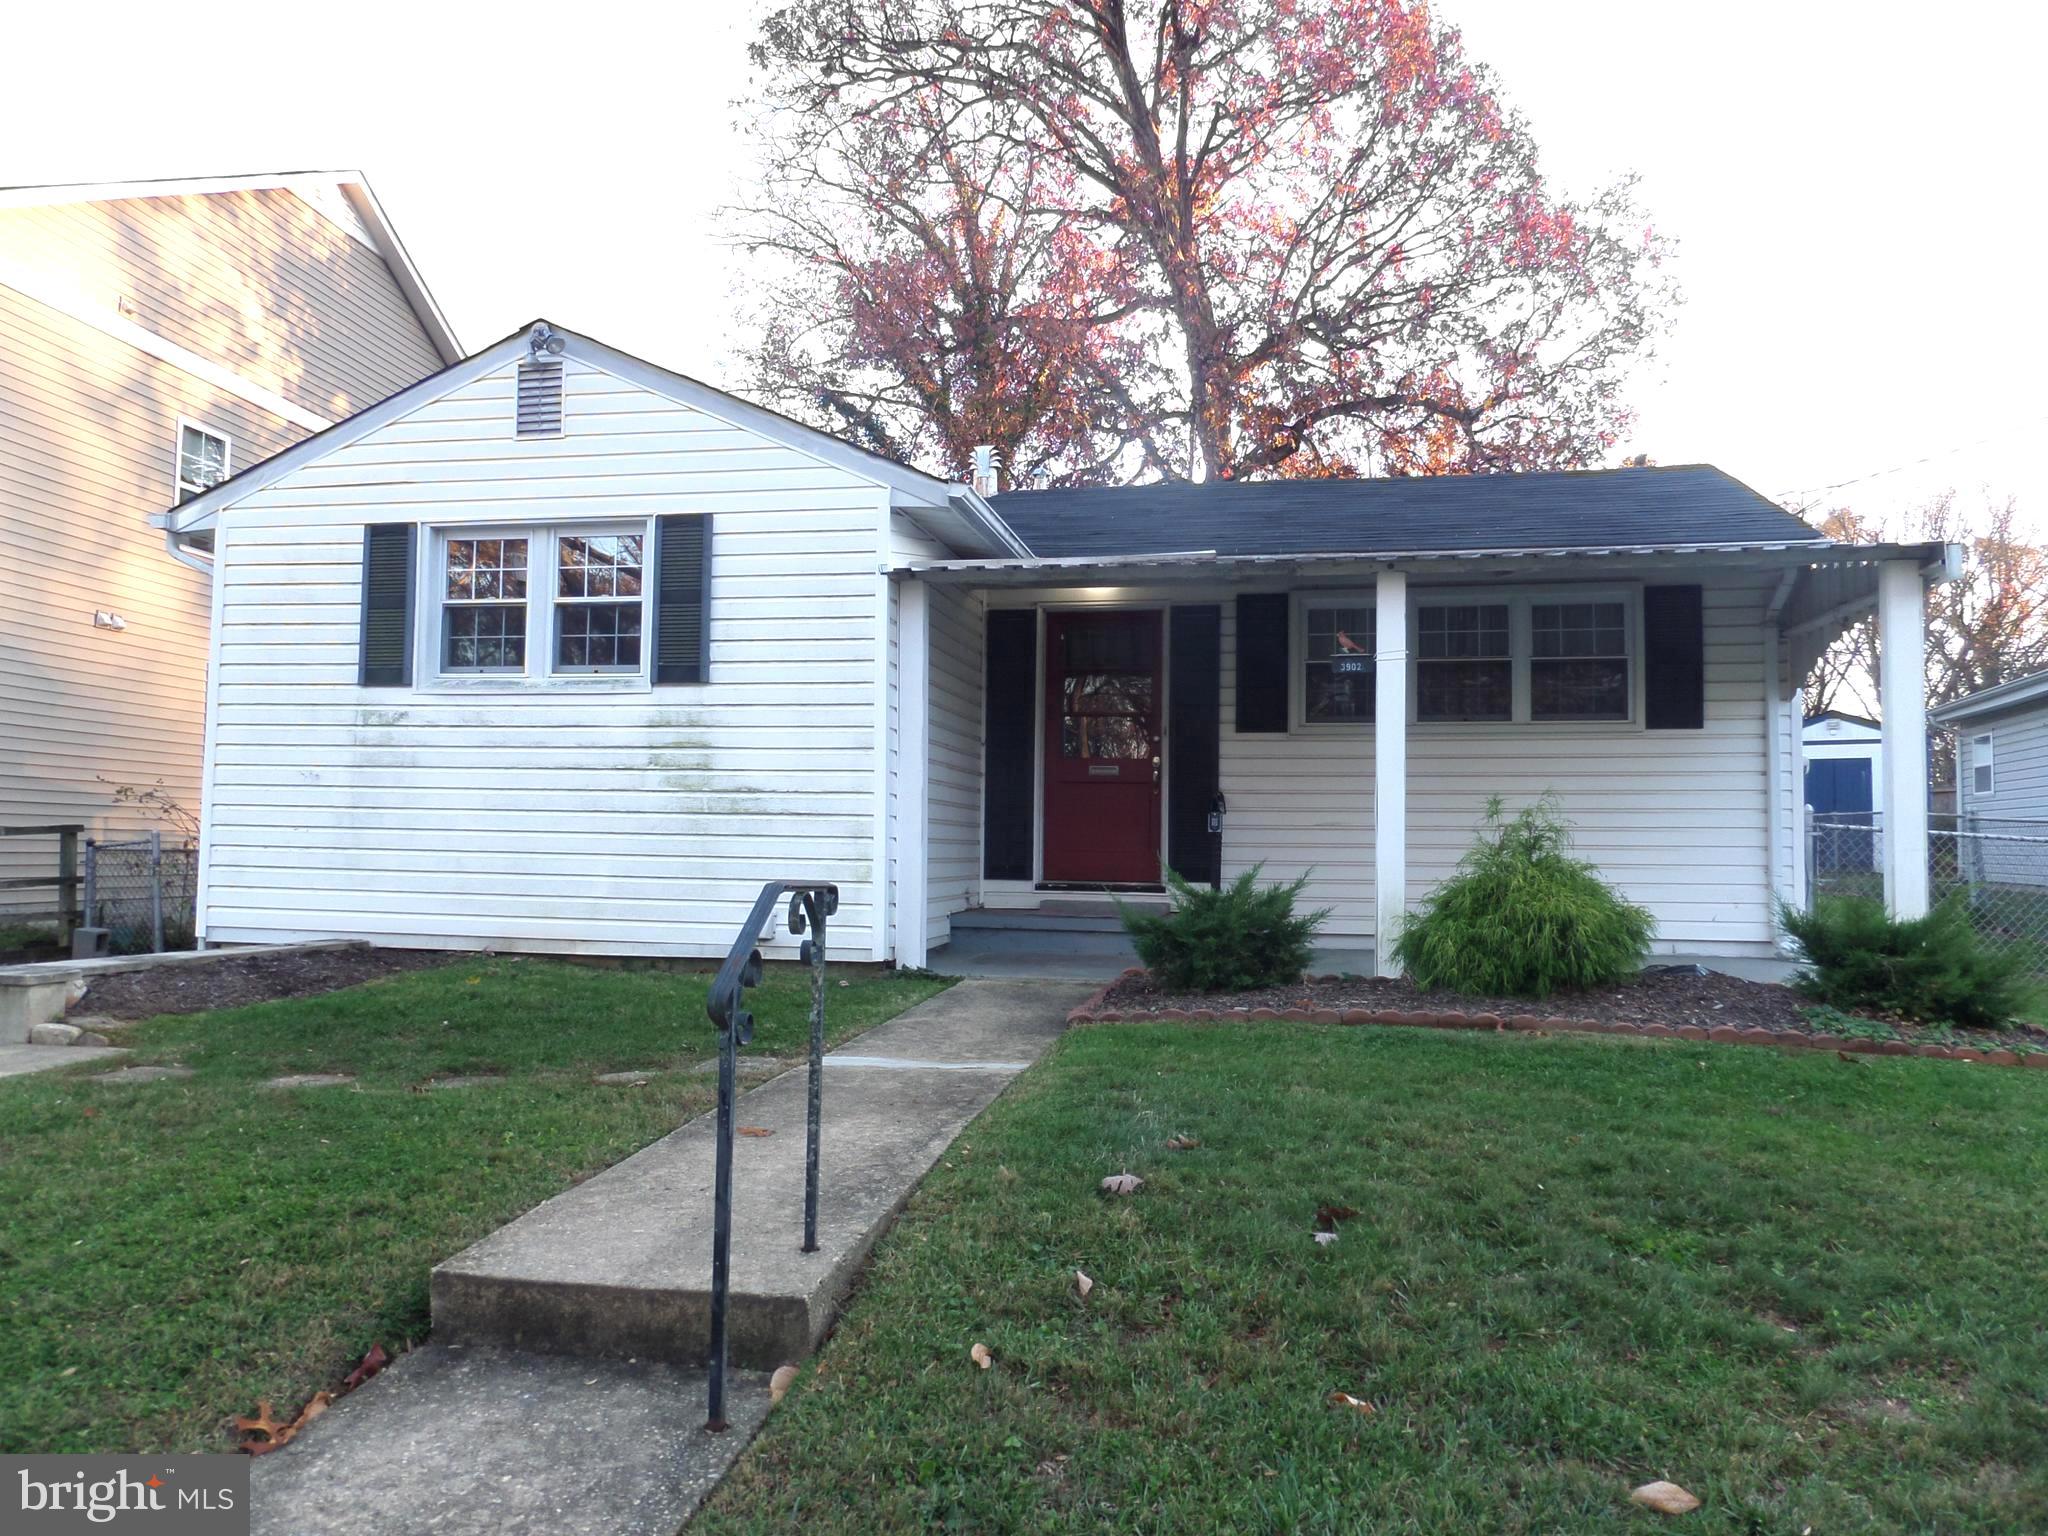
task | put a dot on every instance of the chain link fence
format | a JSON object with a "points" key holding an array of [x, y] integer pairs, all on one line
{"points": [[1999, 867], [143, 892]]}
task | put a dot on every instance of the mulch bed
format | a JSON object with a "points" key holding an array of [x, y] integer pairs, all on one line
{"points": [[261, 978], [1675, 1001]]}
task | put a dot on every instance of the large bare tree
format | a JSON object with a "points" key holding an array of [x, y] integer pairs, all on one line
{"points": [[1308, 237]]}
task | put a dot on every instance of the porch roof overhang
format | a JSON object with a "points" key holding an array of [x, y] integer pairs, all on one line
{"points": [[1829, 577]]}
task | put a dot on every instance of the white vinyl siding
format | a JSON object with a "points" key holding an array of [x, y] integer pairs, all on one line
{"points": [[549, 818], [1675, 818]]}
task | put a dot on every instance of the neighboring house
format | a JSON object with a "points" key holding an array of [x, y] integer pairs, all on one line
{"points": [[1844, 764], [1843, 773], [558, 650], [156, 337], [2002, 779]]}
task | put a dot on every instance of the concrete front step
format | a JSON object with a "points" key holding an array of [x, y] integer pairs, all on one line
{"points": [[621, 1265], [484, 1442]]}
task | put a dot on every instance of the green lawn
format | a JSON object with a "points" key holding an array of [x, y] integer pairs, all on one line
{"points": [[1814, 1292], [170, 1253]]}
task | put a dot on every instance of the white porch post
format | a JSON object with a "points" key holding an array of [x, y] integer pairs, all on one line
{"points": [[913, 756], [1902, 696], [1389, 768]]}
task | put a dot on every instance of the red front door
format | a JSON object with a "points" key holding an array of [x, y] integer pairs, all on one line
{"points": [[1102, 700]]}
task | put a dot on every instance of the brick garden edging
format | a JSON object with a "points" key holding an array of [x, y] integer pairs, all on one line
{"points": [[1092, 1011]]}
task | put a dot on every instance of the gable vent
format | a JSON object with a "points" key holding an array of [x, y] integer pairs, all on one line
{"points": [[540, 399]]}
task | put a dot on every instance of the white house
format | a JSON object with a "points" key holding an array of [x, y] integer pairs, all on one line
{"points": [[558, 650]]}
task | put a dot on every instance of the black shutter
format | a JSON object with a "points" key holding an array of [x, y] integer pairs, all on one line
{"points": [[1194, 729], [385, 658], [682, 599], [1261, 662], [1011, 682], [1675, 659]]}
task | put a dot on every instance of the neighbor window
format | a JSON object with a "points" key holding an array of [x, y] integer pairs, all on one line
{"points": [[1337, 663], [1578, 661], [597, 602], [1980, 765], [202, 460], [483, 606], [1464, 666]]}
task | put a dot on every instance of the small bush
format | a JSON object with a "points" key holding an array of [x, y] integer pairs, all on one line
{"points": [[1231, 940], [1522, 917], [1933, 968]]}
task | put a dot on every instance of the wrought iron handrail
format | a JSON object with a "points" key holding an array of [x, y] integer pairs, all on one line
{"points": [[811, 902]]}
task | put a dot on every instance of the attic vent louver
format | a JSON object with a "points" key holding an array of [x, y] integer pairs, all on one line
{"points": [[540, 398]]}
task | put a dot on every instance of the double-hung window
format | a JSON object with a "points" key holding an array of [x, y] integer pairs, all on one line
{"points": [[1464, 662], [598, 602], [540, 603], [1578, 661], [1337, 661], [483, 608], [202, 460], [1981, 777]]}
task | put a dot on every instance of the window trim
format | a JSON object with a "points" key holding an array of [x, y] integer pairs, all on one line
{"points": [[179, 484], [1988, 764], [1298, 658], [539, 673]]}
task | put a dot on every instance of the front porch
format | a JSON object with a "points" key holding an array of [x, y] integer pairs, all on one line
{"points": [[1069, 728]]}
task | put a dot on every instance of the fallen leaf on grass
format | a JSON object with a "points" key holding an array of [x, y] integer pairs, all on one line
{"points": [[1327, 1216], [1083, 1284], [276, 1436], [1121, 1184], [1346, 1400], [1324, 1239], [367, 1367], [1854, 1061], [754, 1130], [1665, 1498], [1182, 1143], [780, 1383], [981, 1357]]}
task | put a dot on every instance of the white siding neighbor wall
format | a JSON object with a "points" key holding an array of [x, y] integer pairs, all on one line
{"points": [[550, 817]]}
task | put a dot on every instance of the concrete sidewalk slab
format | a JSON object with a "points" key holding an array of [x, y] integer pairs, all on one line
{"points": [[621, 1265], [19, 1060], [483, 1442]]}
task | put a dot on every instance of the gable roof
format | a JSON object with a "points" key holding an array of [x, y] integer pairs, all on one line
{"points": [[2012, 694], [1679, 507], [960, 514], [343, 196]]}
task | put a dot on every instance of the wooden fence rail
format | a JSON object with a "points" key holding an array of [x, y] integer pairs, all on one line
{"points": [[65, 880]]}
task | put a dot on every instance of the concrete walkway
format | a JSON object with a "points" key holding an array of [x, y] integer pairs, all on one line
{"points": [[19, 1060], [563, 1389]]}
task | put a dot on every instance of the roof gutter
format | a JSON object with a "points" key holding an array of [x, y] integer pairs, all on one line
{"points": [[977, 509]]}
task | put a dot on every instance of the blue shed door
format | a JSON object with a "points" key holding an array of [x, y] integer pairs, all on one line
{"points": [[1837, 786]]}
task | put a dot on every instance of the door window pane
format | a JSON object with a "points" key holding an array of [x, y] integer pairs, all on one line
{"points": [[1107, 715]]}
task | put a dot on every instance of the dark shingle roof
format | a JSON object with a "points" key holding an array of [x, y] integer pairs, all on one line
{"points": [[1579, 509]]}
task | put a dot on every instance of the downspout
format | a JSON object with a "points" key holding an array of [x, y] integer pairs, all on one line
{"points": [[1774, 800]]}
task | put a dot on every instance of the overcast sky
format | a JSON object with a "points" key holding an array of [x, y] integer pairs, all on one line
{"points": [[1855, 188]]}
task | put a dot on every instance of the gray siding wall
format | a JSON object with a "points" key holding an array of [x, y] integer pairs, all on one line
{"points": [[2017, 807]]}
